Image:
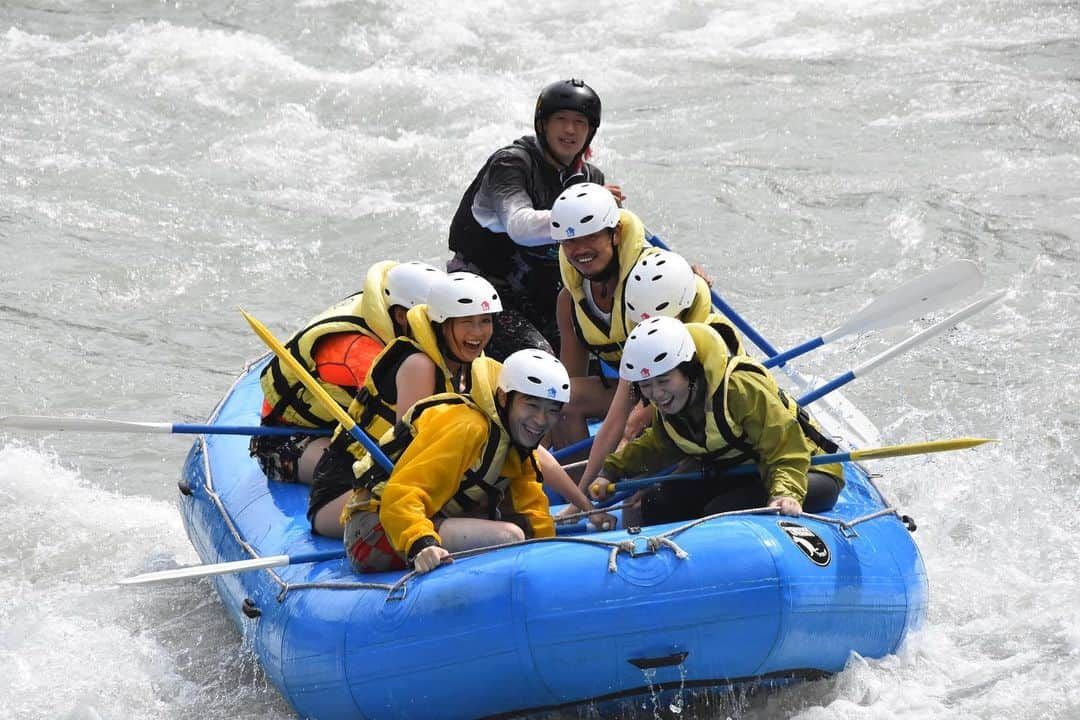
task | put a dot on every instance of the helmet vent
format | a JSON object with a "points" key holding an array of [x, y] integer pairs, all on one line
{"points": [[534, 380], [660, 357], [586, 219]]}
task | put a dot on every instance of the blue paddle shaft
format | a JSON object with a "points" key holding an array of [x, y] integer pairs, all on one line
{"points": [[794, 352], [638, 483], [827, 388], [727, 310], [569, 450], [314, 557], [187, 429], [372, 447]]}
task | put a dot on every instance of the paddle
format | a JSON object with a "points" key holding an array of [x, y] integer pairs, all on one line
{"points": [[888, 451], [912, 300], [66, 424], [736, 319], [916, 339], [197, 571], [319, 392]]}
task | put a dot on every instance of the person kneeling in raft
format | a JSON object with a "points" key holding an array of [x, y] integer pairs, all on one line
{"points": [[466, 472], [724, 411]]}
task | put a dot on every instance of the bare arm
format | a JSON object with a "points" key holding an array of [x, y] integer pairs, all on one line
{"points": [[415, 380], [572, 352], [610, 433]]}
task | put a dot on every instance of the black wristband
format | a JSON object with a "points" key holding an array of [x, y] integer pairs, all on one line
{"points": [[424, 542]]}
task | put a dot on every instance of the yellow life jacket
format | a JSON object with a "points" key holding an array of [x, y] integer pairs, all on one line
{"points": [[483, 486], [364, 312], [701, 311], [725, 443], [375, 406], [601, 337]]}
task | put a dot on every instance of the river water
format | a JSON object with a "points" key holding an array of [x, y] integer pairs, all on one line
{"points": [[162, 163]]}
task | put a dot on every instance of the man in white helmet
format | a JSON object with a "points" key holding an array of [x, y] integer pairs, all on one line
{"points": [[500, 229], [465, 473], [336, 347]]}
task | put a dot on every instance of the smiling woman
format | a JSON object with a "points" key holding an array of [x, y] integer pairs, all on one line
{"points": [[446, 336]]}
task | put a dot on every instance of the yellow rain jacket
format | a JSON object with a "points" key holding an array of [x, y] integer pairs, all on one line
{"points": [[453, 458]]}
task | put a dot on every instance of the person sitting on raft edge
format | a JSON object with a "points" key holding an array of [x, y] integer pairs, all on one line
{"points": [[724, 411], [466, 472], [500, 229]]}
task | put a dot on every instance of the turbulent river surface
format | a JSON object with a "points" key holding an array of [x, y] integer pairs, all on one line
{"points": [[162, 163]]}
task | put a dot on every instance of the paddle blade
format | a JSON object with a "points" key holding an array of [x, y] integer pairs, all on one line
{"points": [[198, 571], [932, 446], [914, 299], [75, 424]]}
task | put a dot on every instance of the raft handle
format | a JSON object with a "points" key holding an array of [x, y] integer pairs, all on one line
{"points": [[909, 523], [250, 609], [658, 662], [185, 487]]}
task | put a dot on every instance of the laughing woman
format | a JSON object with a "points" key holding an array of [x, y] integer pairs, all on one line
{"points": [[722, 411]]}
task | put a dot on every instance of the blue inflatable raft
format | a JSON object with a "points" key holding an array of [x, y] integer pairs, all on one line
{"points": [[597, 618]]}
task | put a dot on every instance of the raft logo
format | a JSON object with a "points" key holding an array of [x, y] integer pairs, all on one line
{"points": [[806, 540]]}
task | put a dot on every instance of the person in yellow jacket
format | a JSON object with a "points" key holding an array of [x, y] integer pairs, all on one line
{"points": [[447, 335], [722, 411], [466, 472], [661, 284], [336, 346]]}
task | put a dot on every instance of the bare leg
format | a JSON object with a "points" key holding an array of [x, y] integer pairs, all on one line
{"points": [[305, 468], [468, 533], [327, 520]]}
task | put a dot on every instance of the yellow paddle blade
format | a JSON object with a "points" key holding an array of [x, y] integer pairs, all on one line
{"points": [[301, 372], [919, 448]]}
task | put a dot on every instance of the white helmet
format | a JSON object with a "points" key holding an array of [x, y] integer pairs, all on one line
{"points": [[460, 294], [661, 283], [408, 284], [655, 347], [582, 210], [537, 373]]}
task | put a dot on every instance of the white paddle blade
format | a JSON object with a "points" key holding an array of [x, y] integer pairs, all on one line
{"points": [[923, 295], [198, 571], [61, 424], [928, 333]]}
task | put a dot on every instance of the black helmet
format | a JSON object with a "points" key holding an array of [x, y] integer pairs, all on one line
{"points": [[568, 95]]}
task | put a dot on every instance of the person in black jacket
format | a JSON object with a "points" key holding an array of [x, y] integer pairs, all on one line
{"points": [[501, 229]]}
